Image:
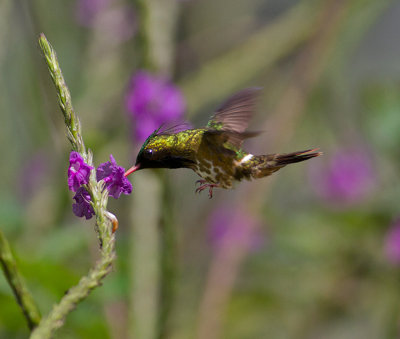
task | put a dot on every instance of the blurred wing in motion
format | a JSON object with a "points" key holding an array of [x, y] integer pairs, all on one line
{"points": [[235, 113]]}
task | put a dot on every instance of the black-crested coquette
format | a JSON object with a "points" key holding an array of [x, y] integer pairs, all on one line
{"points": [[215, 152]]}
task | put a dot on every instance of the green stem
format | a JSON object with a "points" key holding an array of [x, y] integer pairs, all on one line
{"points": [[64, 97], [76, 294], [168, 261], [145, 256], [156, 49], [142, 35], [17, 284], [99, 197]]}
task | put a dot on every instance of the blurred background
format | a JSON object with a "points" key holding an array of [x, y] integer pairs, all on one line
{"points": [[311, 252]]}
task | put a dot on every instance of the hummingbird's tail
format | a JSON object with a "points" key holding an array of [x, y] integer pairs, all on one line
{"points": [[264, 165]]}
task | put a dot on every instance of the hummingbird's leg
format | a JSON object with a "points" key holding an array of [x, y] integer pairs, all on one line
{"points": [[209, 186], [210, 192], [201, 182], [201, 188]]}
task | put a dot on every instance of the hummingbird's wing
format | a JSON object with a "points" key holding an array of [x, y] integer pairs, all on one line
{"points": [[228, 139], [174, 127], [235, 113], [232, 118]]}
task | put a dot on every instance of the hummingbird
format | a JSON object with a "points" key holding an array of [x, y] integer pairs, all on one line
{"points": [[215, 152]]}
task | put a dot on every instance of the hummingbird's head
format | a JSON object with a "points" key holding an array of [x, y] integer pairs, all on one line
{"points": [[158, 152]]}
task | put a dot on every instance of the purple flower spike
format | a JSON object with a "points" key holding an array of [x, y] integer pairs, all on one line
{"points": [[82, 206], [346, 178], [78, 172], [87, 10], [113, 176], [153, 101], [232, 227]]}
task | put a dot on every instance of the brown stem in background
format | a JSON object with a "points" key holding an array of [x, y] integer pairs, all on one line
{"points": [[227, 73], [154, 268]]}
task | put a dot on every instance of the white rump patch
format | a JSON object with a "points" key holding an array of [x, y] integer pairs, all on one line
{"points": [[246, 158]]}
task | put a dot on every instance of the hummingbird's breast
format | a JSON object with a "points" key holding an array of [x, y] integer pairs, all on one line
{"points": [[215, 167], [213, 162]]}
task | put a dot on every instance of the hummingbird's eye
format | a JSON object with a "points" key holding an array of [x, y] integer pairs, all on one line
{"points": [[149, 153]]}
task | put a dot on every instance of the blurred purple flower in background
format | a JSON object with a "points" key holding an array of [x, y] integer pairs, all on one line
{"points": [[346, 177], [82, 206], [115, 22], [120, 24], [113, 176], [392, 244], [34, 173], [78, 171], [87, 10], [232, 227], [153, 101]]}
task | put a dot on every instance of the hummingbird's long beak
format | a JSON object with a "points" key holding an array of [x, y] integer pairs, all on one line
{"points": [[132, 169]]}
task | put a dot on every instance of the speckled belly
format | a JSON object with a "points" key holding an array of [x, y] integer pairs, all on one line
{"points": [[213, 174]]}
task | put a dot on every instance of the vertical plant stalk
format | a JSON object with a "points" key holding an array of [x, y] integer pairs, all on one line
{"points": [[99, 197], [160, 34], [64, 98], [17, 284], [155, 39], [145, 254], [142, 34], [168, 261]]}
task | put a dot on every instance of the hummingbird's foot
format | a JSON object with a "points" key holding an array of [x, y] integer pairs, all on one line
{"points": [[205, 185]]}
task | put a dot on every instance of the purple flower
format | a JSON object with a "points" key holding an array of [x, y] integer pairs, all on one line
{"points": [[233, 227], [87, 10], [392, 244], [78, 171], [82, 206], [113, 176], [34, 174], [347, 177], [153, 101], [118, 25], [78, 175], [114, 22]]}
